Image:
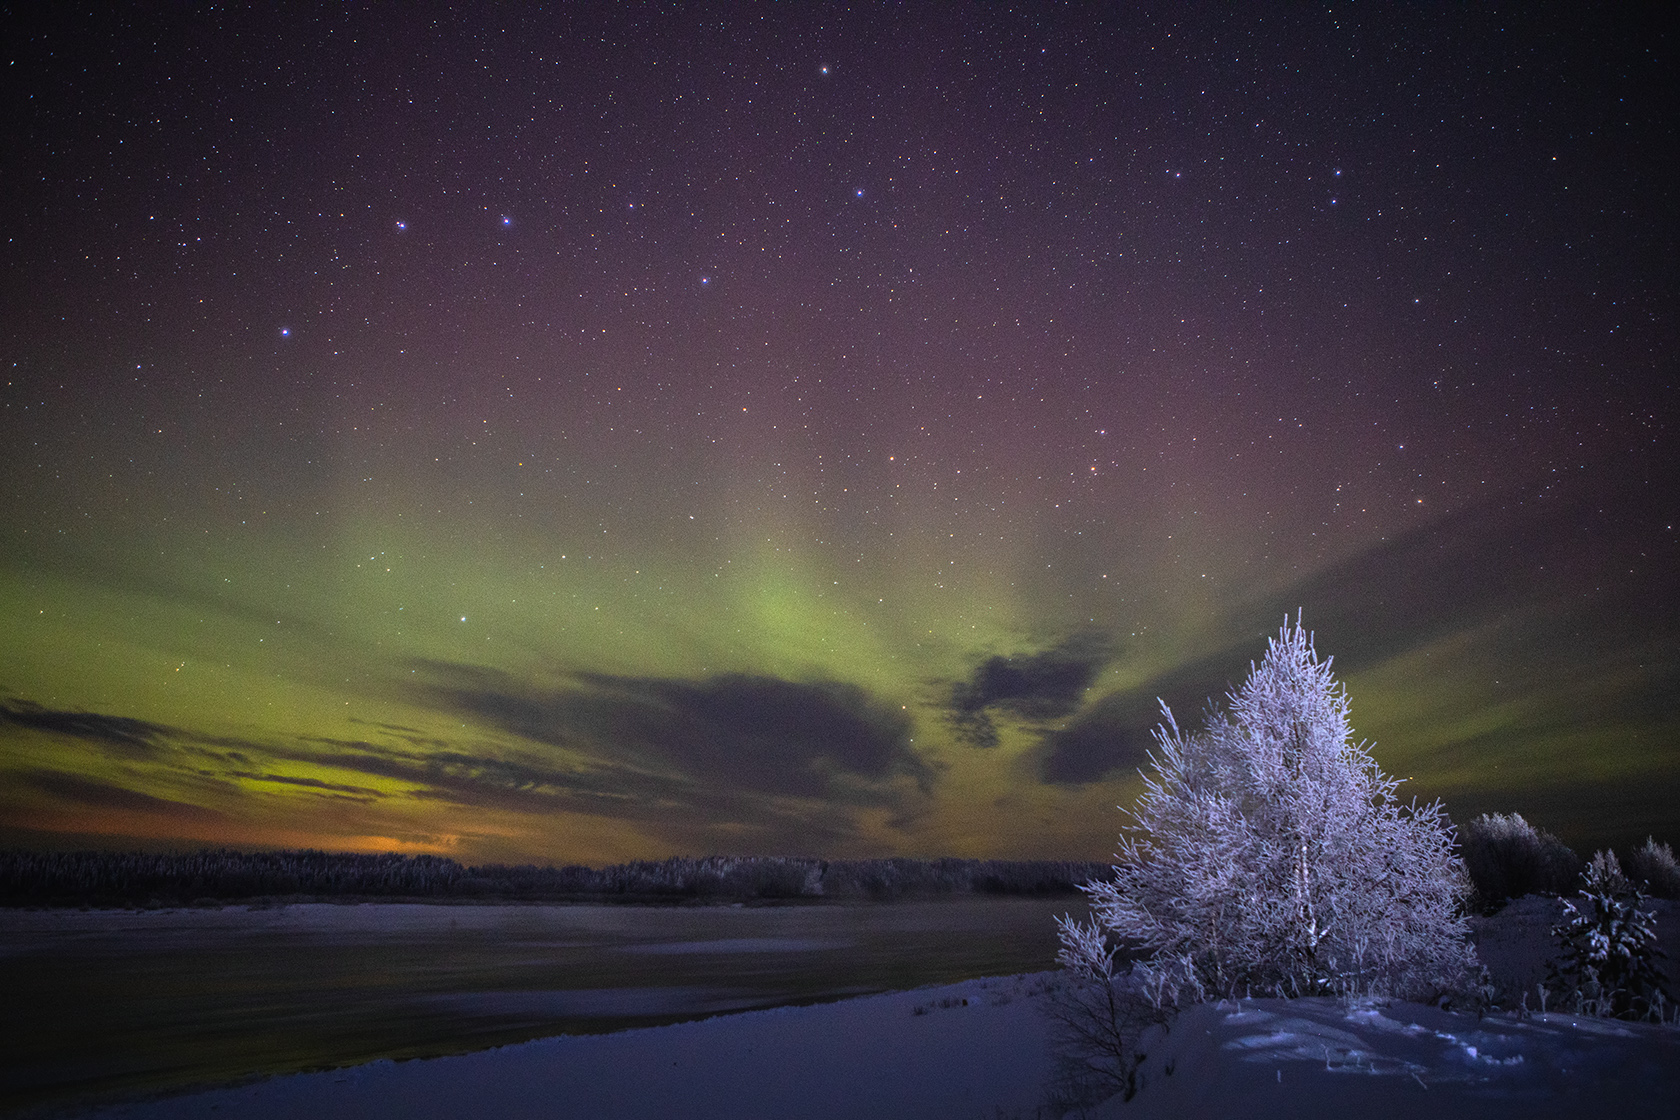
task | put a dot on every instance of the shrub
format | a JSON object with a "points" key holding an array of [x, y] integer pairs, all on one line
{"points": [[1097, 1018], [1269, 855], [1508, 858], [1654, 865]]}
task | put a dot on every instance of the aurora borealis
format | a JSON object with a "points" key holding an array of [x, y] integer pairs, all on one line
{"points": [[623, 431]]}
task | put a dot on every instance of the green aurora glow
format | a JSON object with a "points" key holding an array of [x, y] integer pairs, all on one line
{"points": [[806, 481]]}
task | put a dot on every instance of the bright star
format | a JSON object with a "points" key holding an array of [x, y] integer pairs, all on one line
{"points": [[285, 332]]}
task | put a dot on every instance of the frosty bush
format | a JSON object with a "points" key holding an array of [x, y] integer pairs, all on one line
{"points": [[1610, 952], [1269, 855], [1654, 865], [1508, 858], [1097, 1019]]}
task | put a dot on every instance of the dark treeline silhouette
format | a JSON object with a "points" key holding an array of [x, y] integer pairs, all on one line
{"points": [[97, 878]]}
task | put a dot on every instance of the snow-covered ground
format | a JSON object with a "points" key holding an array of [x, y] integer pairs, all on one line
{"points": [[976, 1049], [1320, 1057], [984, 1048]]}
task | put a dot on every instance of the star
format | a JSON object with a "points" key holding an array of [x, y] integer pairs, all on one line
{"points": [[988, 319]]}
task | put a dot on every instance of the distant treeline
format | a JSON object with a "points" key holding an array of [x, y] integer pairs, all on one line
{"points": [[1507, 858], [95, 878]]}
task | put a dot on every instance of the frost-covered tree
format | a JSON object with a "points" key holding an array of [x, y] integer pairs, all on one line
{"points": [[1508, 858], [1268, 854], [1654, 865]]}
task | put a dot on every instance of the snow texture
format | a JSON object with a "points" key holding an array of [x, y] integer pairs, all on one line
{"points": [[1320, 1057]]}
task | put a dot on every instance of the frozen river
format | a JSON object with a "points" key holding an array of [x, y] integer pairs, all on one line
{"points": [[135, 1001]]}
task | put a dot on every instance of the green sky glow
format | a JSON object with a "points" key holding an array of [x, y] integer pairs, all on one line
{"points": [[759, 456]]}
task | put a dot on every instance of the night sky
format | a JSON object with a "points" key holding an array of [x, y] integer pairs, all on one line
{"points": [[631, 430]]}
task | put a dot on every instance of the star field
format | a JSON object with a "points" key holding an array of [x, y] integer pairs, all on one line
{"points": [[603, 433]]}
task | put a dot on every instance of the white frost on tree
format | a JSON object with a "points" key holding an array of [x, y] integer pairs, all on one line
{"points": [[1268, 854]]}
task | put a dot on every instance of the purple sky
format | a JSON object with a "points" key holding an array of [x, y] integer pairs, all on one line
{"points": [[621, 431]]}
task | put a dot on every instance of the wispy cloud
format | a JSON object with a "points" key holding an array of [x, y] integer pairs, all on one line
{"points": [[90, 793], [1115, 732], [121, 735]]}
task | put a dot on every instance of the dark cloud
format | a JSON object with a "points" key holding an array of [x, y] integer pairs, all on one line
{"points": [[396, 729], [736, 762], [91, 794], [1116, 732], [119, 735], [1031, 686], [806, 739], [733, 733]]}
